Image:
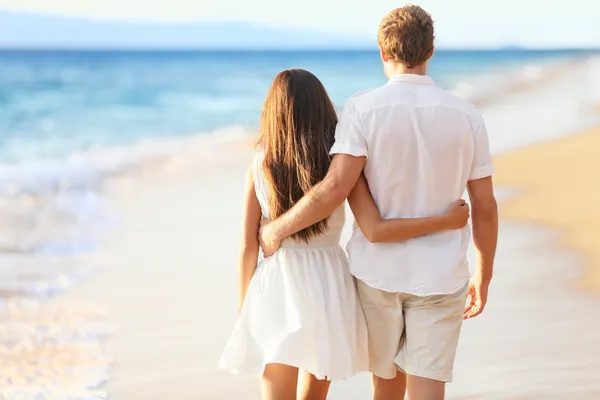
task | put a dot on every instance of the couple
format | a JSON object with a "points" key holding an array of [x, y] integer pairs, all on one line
{"points": [[402, 154]]}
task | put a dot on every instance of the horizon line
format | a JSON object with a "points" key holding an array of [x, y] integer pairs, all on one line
{"points": [[142, 48]]}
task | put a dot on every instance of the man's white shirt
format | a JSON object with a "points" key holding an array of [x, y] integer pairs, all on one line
{"points": [[423, 145]]}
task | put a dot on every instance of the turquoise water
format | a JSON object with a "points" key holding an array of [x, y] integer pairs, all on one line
{"points": [[54, 104]]}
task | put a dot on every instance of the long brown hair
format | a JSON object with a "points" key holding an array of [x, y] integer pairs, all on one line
{"points": [[297, 130]]}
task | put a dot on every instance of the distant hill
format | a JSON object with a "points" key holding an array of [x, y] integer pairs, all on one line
{"points": [[23, 30]]}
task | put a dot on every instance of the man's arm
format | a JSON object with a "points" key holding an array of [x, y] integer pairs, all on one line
{"points": [[484, 215], [317, 204], [485, 224]]}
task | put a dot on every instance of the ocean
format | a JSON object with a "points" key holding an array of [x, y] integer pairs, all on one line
{"points": [[55, 104], [69, 119]]}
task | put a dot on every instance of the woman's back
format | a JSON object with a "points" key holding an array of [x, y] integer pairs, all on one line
{"points": [[335, 222]]}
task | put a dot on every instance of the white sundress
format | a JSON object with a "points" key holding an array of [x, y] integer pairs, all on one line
{"points": [[301, 308]]}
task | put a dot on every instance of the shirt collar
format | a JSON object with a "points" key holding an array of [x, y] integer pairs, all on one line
{"points": [[412, 78]]}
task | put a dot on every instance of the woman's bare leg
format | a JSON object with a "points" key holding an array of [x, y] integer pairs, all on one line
{"points": [[311, 388], [279, 382]]}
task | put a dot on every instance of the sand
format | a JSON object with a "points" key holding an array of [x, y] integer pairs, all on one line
{"points": [[559, 188], [172, 293]]}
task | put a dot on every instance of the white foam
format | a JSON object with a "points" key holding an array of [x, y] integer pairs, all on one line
{"points": [[86, 170], [486, 87]]}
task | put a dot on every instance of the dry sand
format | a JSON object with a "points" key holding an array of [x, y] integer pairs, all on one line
{"points": [[559, 185]]}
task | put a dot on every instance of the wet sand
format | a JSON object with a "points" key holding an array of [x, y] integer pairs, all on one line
{"points": [[173, 294]]}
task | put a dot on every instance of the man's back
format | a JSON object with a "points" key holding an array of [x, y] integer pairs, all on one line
{"points": [[423, 145]]}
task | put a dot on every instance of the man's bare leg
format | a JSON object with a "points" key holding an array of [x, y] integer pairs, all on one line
{"points": [[425, 389], [389, 389]]}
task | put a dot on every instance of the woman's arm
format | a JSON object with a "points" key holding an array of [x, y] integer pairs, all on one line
{"points": [[249, 244], [378, 230]]}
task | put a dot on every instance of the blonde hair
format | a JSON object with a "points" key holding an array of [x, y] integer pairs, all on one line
{"points": [[406, 35]]}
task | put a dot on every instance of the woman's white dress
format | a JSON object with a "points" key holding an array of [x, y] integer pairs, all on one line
{"points": [[301, 308]]}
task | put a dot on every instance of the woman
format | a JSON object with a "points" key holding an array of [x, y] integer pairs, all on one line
{"points": [[300, 322]]}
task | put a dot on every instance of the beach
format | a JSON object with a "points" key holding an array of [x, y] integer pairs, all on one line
{"points": [[169, 293]]}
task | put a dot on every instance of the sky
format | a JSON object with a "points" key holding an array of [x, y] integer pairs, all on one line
{"points": [[459, 23]]}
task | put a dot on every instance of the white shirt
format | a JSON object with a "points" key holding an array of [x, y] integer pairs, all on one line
{"points": [[422, 146]]}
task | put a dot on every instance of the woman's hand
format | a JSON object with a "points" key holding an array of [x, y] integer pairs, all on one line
{"points": [[268, 244], [458, 214]]}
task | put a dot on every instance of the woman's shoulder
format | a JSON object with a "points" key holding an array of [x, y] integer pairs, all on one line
{"points": [[257, 166], [257, 159], [259, 152]]}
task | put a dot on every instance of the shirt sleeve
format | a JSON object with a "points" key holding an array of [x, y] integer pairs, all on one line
{"points": [[349, 135], [482, 159]]}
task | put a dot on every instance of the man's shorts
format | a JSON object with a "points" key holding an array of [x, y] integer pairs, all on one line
{"points": [[413, 334]]}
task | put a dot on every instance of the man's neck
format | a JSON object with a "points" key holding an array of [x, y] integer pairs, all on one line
{"points": [[401, 69]]}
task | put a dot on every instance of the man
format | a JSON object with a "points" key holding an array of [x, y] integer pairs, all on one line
{"points": [[420, 147]]}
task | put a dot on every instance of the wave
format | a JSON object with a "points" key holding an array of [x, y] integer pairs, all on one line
{"points": [[82, 171], [482, 88]]}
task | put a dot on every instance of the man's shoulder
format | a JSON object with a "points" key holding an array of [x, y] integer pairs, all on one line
{"points": [[457, 103], [362, 93], [364, 100], [359, 98], [367, 100]]}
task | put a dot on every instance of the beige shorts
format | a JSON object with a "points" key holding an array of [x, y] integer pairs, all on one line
{"points": [[416, 335]]}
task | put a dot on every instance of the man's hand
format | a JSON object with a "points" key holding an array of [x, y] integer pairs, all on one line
{"points": [[269, 243], [478, 293]]}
